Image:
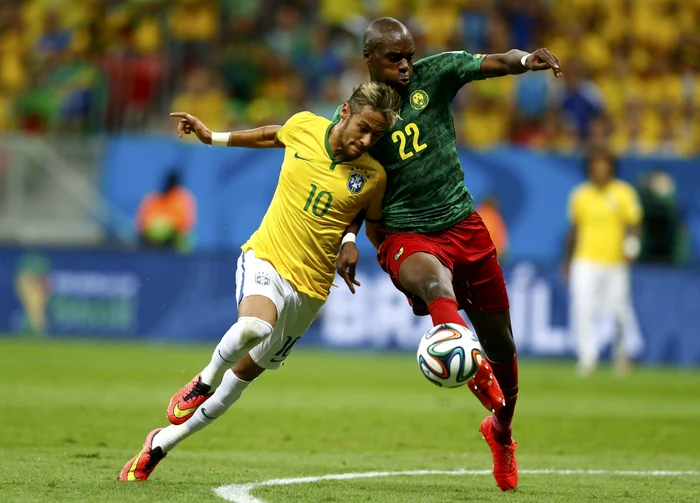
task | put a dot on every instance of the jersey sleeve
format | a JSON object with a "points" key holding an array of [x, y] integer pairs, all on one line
{"points": [[375, 210], [457, 68], [632, 207], [287, 132]]}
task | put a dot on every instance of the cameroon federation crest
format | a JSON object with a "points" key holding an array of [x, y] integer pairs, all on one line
{"points": [[419, 99], [356, 180]]}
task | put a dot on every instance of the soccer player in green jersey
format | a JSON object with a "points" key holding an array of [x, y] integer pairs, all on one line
{"points": [[435, 247]]}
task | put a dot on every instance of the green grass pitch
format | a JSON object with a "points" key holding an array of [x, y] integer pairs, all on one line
{"points": [[74, 412]]}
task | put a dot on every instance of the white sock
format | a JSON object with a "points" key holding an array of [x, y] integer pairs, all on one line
{"points": [[243, 336], [227, 393]]}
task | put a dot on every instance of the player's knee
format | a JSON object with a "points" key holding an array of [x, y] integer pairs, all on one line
{"points": [[252, 330], [424, 275], [434, 287]]}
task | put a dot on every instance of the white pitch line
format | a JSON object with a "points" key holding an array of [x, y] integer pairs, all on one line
{"points": [[241, 493]]}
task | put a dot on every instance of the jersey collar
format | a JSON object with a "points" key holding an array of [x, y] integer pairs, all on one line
{"points": [[329, 151]]}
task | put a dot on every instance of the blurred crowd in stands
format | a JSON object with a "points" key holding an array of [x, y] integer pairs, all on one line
{"points": [[632, 67]]}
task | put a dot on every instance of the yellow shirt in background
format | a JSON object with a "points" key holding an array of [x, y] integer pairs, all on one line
{"points": [[601, 217], [194, 20], [317, 197]]}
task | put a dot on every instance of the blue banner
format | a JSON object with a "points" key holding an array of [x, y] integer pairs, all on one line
{"points": [[233, 188], [163, 296]]}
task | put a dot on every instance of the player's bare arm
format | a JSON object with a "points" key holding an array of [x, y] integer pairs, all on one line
{"points": [[515, 62], [375, 215], [635, 230], [373, 230], [569, 246], [372, 225], [632, 245], [349, 255], [262, 137]]}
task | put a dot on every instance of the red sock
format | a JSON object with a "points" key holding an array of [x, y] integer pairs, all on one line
{"points": [[507, 376], [445, 310]]}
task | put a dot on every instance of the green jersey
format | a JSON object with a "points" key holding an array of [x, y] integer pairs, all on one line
{"points": [[425, 189]]}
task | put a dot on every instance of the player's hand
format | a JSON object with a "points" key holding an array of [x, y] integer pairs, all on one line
{"points": [[190, 124], [347, 262], [542, 59]]}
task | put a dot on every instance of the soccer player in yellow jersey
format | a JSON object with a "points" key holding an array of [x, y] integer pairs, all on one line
{"points": [[604, 238], [287, 266]]}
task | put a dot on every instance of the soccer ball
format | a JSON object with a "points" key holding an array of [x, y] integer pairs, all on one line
{"points": [[449, 355]]}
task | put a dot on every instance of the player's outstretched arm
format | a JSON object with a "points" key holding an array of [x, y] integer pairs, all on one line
{"points": [[262, 137], [515, 62]]}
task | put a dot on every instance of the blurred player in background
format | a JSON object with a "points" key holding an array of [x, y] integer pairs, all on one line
{"points": [[605, 217], [287, 266]]}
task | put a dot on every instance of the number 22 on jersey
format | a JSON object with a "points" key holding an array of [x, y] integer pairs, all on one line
{"points": [[401, 138]]}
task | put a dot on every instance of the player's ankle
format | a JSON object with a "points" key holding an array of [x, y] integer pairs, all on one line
{"points": [[445, 310], [211, 377], [502, 430], [504, 437]]}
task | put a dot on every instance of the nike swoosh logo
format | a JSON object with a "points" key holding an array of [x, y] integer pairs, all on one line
{"points": [[131, 476], [296, 154], [179, 413]]}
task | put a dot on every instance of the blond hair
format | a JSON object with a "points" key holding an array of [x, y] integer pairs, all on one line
{"points": [[377, 96]]}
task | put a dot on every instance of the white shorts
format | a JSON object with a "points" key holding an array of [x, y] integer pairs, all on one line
{"points": [[295, 310], [600, 288]]}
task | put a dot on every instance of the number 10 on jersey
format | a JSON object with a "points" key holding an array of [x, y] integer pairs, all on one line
{"points": [[318, 203]]}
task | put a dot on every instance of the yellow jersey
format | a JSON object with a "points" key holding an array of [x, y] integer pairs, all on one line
{"points": [[317, 197], [601, 217]]}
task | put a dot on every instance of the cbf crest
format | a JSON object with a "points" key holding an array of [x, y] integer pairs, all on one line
{"points": [[419, 99], [262, 279], [356, 180]]}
